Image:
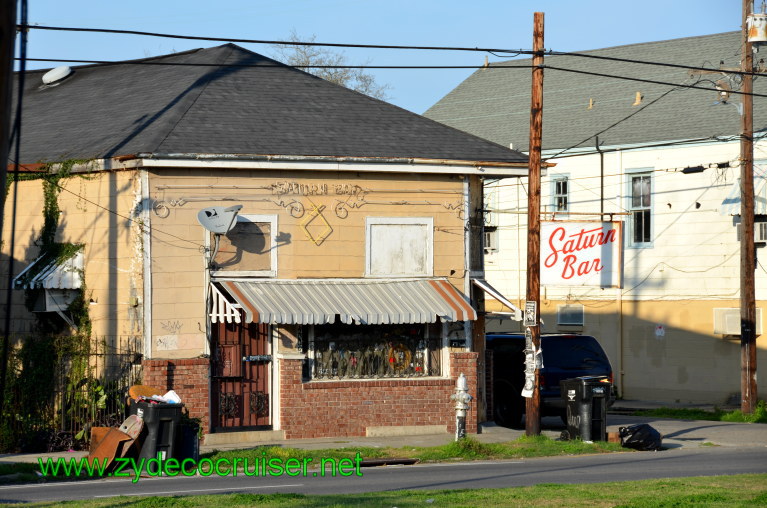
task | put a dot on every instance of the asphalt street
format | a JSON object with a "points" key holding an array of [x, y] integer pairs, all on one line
{"points": [[629, 466]]}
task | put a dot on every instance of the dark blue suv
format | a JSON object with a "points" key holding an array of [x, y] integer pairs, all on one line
{"points": [[565, 356]]}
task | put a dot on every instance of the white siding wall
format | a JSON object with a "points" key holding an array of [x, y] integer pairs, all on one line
{"points": [[695, 252], [658, 328]]}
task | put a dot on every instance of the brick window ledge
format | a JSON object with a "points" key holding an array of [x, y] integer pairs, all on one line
{"points": [[384, 383]]}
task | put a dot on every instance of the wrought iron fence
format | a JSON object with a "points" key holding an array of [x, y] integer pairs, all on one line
{"points": [[97, 395], [61, 388]]}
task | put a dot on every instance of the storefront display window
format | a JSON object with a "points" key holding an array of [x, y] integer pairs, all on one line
{"points": [[340, 351]]}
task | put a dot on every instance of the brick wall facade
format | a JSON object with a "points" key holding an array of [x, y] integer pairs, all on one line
{"points": [[347, 408], [332, 408], [187, 377]]}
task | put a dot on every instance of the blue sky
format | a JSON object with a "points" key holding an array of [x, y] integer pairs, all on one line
{"points": [[570, 25]]}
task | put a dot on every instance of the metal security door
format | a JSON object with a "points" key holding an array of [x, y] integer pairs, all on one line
{"points": [[241, 376]]}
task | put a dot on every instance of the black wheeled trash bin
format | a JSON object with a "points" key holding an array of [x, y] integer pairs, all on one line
{"points": [[586, 407], [162, 423]]}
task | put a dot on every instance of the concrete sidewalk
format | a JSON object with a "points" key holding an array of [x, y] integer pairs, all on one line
{"points": [[676, 433]]}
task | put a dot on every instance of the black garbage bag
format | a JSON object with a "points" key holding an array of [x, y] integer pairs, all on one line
{"points": [[640, 437]]}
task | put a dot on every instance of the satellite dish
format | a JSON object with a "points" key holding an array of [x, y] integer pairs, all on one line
{"points": [[53, 76], [217, 219]]}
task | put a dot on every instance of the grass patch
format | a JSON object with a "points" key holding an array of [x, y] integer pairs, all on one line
{"points": [[759, 415], [7, 468], [465, 449], [738, 490]]}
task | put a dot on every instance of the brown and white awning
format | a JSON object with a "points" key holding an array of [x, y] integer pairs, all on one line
{"points": [[352, 301]]}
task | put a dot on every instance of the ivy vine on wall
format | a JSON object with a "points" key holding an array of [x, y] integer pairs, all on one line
{"points": [[50, 360]]}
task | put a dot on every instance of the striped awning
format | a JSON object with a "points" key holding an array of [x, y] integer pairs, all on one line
{"points": [[48, 273], [731, 204], [354, 301]]}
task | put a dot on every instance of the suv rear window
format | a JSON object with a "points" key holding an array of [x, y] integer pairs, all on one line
{"points": [[566, 353]]}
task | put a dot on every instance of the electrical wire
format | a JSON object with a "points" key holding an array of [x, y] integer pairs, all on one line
{"points": [[391, 67], [25, 27], [493, 51], [140, 224], [632, 114], [651, 81], [267, 66], [658, 64]]}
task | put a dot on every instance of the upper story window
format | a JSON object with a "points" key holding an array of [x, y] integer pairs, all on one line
{"points": [[640, 207], [249, 248], [560, 194], [399, 247]]}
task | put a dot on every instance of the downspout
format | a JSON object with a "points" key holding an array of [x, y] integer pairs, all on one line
{"points": [[467, 272], [601, 178], [620, 294]]}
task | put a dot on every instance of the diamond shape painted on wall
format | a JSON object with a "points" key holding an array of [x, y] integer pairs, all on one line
{"points": [[316, 220]]}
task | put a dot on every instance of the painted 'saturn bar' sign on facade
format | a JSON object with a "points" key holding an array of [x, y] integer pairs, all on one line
{"points": [[581, 253]]}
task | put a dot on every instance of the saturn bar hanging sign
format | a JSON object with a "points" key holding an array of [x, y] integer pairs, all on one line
{"points": [[581, 253]]}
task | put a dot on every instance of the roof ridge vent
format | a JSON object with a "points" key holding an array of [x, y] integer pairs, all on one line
{"points": [[57, 75]]}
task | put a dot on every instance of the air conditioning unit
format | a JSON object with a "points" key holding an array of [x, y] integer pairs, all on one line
{"points": [[760, 232], [570, 315], [727, 321], [54, 300], [490, 239]]}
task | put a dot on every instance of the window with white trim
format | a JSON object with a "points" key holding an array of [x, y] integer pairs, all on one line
{"points": [[560, 195], [249, 249], [640, 207], [399, 246]]}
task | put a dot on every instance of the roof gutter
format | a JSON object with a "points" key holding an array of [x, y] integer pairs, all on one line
{"points": [[329, 158], [333, 163]]}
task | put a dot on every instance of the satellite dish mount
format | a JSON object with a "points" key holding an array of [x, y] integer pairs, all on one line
{"points": [[219, 221]]}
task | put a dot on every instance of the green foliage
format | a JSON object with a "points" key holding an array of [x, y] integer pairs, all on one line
{"points": [[759, 415], [464, 449]]}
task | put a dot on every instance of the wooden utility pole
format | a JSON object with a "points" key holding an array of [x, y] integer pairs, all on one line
{"points": [[747, 252], [7, 38], [533, 404]]}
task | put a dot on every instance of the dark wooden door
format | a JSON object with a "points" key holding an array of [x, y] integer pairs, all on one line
{"points": [[241, 363]]}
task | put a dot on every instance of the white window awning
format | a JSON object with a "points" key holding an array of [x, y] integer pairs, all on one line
{"points": [[731, 204], [354, 301], [47, 273], [490, 290]]}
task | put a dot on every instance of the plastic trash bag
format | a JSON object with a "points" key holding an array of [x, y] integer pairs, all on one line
{"points": [[640, 437]]}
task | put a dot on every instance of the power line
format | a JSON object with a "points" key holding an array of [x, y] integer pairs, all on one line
{"points": [[615, 123], [384, 46], [647, 62], [651, 81], [261, 66], [376, 46], [406, 67], [138, 223], [261, 41]]}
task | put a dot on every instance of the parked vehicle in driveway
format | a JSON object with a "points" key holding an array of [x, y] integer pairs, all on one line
{"points": [[565, 356]]}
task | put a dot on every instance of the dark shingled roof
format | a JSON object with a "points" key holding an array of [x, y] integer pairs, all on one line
{"points": [[238, 102], [495, 103]]}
